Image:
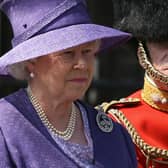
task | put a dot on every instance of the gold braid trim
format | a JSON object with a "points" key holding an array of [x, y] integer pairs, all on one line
{"points": [[154, 152], [151, 152], [151, 71]]}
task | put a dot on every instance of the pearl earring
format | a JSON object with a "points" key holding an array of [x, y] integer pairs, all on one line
{"points": [[31, 75]]}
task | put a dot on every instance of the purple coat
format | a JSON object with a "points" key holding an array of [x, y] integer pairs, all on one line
{"points": [[25, 142]]}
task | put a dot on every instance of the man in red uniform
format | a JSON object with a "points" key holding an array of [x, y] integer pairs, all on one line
{"points": [[145, 112]]}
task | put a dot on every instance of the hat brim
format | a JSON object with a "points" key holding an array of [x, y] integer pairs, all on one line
{"points": [[60, 39]]}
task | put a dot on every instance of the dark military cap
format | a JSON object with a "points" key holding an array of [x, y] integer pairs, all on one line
{"points": [[145, 19]]}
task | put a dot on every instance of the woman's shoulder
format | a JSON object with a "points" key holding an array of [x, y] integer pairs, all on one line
{"points": [[7, 113], [99, 115], [108, 134], [7, 109], [4, 103], [4, 106]]}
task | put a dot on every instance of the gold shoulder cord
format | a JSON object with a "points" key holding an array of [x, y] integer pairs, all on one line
{"points": [[150, 70], [151, 153]]}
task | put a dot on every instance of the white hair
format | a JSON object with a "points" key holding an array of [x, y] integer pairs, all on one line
{"points": [[19, 71]]}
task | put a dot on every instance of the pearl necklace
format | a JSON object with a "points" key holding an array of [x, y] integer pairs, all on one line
{"points": [[67, 134]]}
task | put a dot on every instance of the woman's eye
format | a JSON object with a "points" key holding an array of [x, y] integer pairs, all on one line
{"points": [[87, 51], [67, 56], [70, 53]]}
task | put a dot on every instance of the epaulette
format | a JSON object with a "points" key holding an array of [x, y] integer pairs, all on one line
{"points": [[118, 104], [113, 109]]}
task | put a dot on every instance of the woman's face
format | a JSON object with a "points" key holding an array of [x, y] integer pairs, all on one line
{"points": [[66, 74], [159, 56]]}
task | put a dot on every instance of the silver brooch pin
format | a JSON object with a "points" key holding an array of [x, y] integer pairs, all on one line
{"points": [[104, 122]]}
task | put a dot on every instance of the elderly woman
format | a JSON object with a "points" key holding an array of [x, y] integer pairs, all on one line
{"points": [[46, 125]]}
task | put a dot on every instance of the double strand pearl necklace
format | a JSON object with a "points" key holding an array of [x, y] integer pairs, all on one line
{"points": [[68, 132]]}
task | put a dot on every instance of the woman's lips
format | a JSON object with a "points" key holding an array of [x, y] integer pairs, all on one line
{"points": [[79, 80]]}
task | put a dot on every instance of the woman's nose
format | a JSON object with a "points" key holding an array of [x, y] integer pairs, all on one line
{"points": [[81, 62]]}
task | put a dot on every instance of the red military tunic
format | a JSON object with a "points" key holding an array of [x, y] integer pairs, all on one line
{"points": [[150, 120]]}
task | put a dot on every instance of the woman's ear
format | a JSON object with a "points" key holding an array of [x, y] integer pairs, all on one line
{"points": [[30, 65]]}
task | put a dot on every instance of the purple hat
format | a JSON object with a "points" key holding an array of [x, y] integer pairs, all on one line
{"points": [[41, 27]]}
